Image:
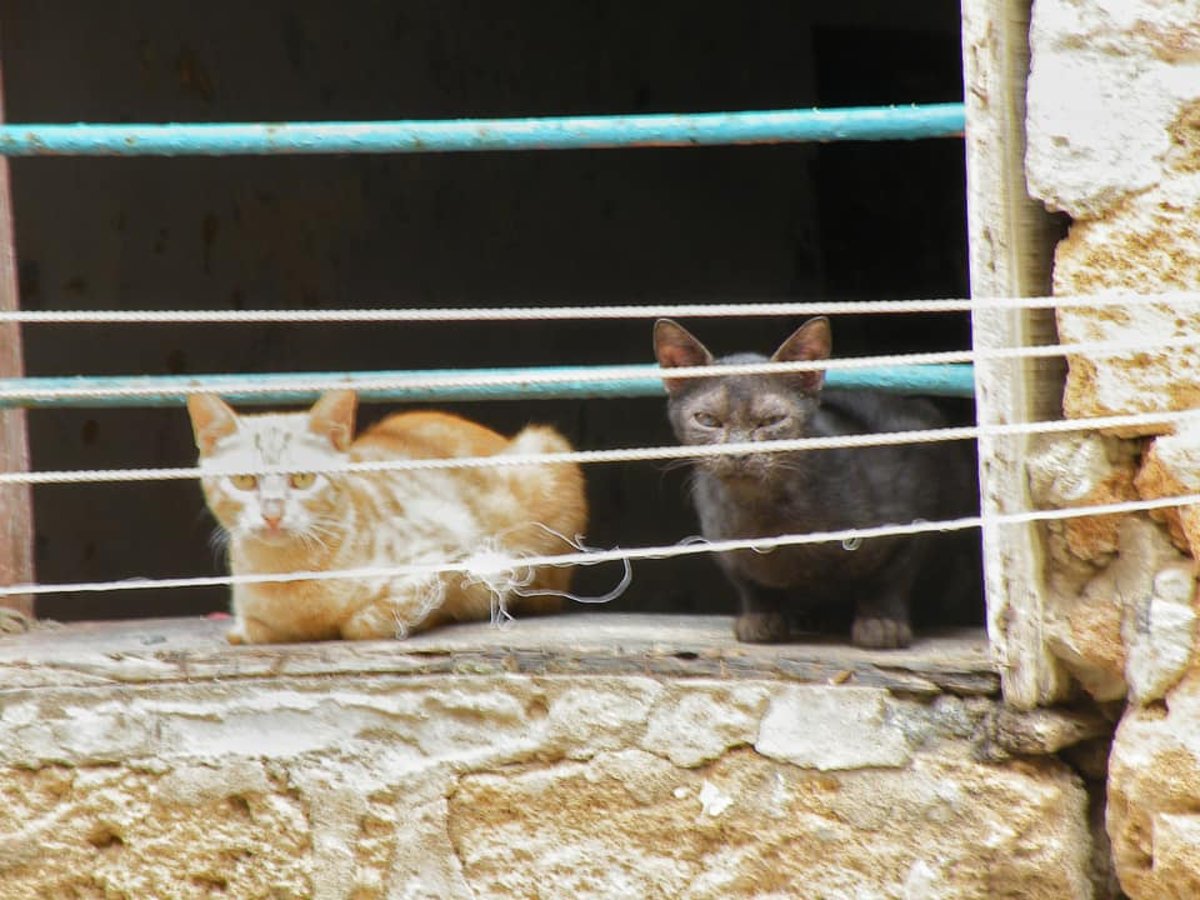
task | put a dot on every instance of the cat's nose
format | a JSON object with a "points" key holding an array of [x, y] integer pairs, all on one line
{"points": [[272, 513]]}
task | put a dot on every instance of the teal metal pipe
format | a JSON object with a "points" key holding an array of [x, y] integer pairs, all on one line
{"points": [[882, 123], [172, 390]]}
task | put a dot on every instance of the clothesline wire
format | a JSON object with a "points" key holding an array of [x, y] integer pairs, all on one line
{"points": [[590, 313], [1165, 418], [493, 564]]}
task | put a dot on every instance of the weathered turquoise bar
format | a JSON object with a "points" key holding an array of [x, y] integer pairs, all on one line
{"points": [[883, 123], [169, 390]]}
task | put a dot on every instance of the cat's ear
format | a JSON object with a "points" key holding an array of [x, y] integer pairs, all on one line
{"points": [[332, 416], [212, 419], [675, 347], [810, 342]]}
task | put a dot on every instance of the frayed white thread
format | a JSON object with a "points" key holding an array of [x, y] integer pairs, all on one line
{"points": [[495, 570], [430, 593], [578, 545]]}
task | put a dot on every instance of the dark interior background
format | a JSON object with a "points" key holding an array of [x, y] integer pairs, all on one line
{"points": [[838, 221]]}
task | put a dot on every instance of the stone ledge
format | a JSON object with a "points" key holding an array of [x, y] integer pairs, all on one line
{"points": [[575, 756], [187, 649]]}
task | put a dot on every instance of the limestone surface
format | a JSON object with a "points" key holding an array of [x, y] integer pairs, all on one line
{"points": [[1106, 86], [631, 825], [370, 786], [1118, 606], [1084, 469], [1131, 629], [1113, 130], [1171, 468], [1154, 780]]}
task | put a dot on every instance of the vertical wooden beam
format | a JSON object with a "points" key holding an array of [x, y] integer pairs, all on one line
{"points": [[1011, 249], [16, 502]]}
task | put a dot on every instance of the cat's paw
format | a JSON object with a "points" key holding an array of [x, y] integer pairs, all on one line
{"points": [[880, 633], [760, 628], [236, 636]]}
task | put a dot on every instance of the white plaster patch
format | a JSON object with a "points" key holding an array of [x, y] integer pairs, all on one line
{"points": [[1177, 847], [829, 728], [697, 726], [77, 734], [1100, 99], [713, 801], [194, 785], [1160, 634], [584, 721], [921, 883]]}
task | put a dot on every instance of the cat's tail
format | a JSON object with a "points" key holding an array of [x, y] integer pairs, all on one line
{"points": [[537, 439], [554, 491], [554, 497]]}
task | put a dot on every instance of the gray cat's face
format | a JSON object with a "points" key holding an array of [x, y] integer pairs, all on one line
{"points": [[741, 408]]}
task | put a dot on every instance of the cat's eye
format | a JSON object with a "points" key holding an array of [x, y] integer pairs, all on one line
{"points": [[302, 480], [244, 482], [707, 420], [771, 421]]}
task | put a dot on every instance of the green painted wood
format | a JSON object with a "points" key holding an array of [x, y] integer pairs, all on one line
{"points": [[576, 383]]}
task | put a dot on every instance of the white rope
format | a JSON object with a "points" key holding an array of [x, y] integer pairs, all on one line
{"points": [[631, 454], [492, 564], [477, 567], [585, 313], [254, 385]]}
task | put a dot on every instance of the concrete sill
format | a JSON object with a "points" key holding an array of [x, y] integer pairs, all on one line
{"points": [[147, 651]]}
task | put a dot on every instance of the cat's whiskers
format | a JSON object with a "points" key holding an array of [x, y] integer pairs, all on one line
{"points": [[325, 526], [311, 540], [676, 464], [787, 466], [218, 542]]}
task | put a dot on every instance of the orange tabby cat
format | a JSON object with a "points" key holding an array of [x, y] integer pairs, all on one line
{"points": [[315, 522]]}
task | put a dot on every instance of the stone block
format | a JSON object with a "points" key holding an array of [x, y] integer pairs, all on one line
{"points": [[1171, 468], [633, 825], [1086, 469], [701, 723], [1113, 139], [451, 786], [1107, 84], [1154, 780], [812, 728], [1131, 629]]}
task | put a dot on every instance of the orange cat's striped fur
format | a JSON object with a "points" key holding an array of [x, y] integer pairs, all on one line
{"points": [[314, 522]]}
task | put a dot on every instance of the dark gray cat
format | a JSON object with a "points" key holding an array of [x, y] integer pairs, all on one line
{"points": [[766, 494]]}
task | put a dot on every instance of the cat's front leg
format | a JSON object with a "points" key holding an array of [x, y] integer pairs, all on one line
{"points": [[882, 623], [247, 628], [762, 620], [252, 631]]}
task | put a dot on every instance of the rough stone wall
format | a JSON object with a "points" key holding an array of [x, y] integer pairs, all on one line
{"points": [[502, 786], [1114, 141]]}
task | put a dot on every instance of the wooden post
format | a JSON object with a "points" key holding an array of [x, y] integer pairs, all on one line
{"points": [[1011, 250], [16, 502]]}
